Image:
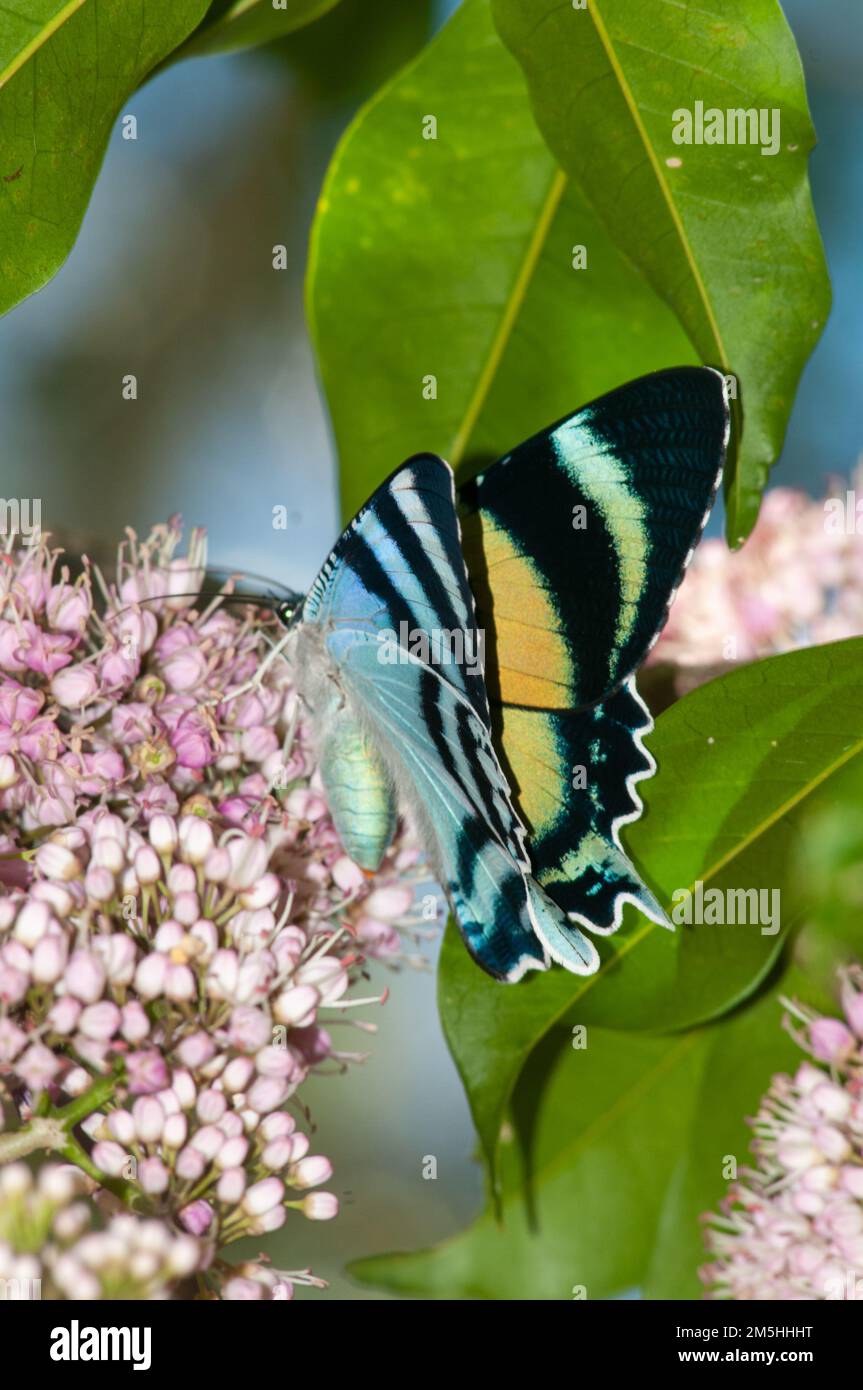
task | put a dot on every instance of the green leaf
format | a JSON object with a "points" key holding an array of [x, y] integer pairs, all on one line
{"points": [[724, 233], [741, 762], [67, 70], [741, 1056], [452, 258], [607, 1123], [249, 23], [624, 1146], [346, 56]]}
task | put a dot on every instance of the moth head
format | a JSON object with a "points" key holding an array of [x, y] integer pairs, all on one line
{"points": [[288, 609]]}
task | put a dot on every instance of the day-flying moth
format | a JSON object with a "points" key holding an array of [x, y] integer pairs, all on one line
{"points": [[565, 555]]}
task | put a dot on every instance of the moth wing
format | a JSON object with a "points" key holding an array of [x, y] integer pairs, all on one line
{"points": [[577, 540], [575, 779], [398, 568], [442, 760]]}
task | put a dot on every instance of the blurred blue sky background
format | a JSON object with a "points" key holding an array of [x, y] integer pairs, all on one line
{"points": [[171, 280]]}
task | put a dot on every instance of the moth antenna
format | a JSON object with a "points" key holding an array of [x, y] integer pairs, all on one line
{"points": [[255, 600]]}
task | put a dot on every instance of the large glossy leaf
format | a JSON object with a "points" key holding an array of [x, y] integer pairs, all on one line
{"points": [[627, 1147], [725, 233], [740, 1058], [741, 762], [66, 72], [607, 1124], [452, 258], [249, 23]]}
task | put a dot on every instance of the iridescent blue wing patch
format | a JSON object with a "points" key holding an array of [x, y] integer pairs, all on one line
{"points": [[441, 757], [400, 563]]}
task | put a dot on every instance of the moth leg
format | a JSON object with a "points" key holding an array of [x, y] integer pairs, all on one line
{"points": [[359, 792], [254, 682]]}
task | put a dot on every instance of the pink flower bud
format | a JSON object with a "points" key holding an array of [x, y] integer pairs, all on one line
{"points": [[389, 904], [190, 1166], [68, 608], [197, 1217], [320, 1206], [267, 1093], [196, 839], [263, 1196], [85, 976], [49, 959], [211, 1106], [99, 885], [231, 1186], [32, 922], [54, 861], [296, 1007], [175, 1131], [248, 862], [135, 1025], [831, 1040], [8, 772], [13, 984], [148, 869], [326, 975], [851, 1180], [207, 1141], [184, 1088], [270, 1221], [217, 865], [100, 1021], [231, 1124], [207, 934], [233, 1153], [181, 879], [151, 974], [122, 1127], [262, 894], [163, 834], [195, 1050], [180, 983], [275, 1061], [75, 686], [277, 1155], [277, 1126], [146, 1071], [149, 1119], [223, 974], [153, 1176], [311, 1172], [111, 1158], [347, 875], [63, 1016], [237, 1074], [249, 1029]]}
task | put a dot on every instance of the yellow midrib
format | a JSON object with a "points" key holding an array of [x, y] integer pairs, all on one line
{"points": [[508, 319], [662, 181], [665, 190], [45, 33], [637, 937]]}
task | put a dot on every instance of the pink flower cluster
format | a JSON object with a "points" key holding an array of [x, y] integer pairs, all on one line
{"points": [[178, 917], [798, 581], [792, 1228], [51, 1245]]}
